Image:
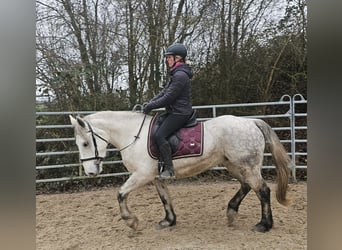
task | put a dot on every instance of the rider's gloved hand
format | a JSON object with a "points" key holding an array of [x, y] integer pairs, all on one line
{"points": [[147, 108]]}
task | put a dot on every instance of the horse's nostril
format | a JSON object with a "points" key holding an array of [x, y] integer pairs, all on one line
{"points": [[91, 174]]}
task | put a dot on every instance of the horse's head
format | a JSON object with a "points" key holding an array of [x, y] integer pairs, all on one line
{"points": [[91, 145]]}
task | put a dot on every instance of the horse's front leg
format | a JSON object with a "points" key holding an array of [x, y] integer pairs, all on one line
{"points": [[170, 216], [134, 181]]}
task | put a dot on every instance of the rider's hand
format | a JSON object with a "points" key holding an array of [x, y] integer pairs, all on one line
{"points": [[146, 109]]}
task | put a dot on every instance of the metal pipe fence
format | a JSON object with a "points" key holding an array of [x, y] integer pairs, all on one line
{"points": [[289, 123]]}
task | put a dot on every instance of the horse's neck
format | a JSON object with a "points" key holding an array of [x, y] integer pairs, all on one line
{"points": [[120, 126]]}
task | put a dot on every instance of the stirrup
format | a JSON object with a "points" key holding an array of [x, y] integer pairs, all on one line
{"points": [[160, 166], [166, 174]]}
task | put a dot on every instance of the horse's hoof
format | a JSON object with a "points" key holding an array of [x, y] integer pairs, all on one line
{"points": [[163, 224], [231, 214], [133, 223], [261, 228]]}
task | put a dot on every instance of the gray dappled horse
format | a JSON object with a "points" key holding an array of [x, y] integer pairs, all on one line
{"points": [[234, 142]]}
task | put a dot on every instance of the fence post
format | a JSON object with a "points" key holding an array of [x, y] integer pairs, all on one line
{"points": [[80, 171], [294, 132], [293, 142]]}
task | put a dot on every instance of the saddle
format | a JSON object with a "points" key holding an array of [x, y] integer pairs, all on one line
{"points": [[186, 142]]}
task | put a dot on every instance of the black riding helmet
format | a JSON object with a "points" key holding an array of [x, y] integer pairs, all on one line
{"points": [[176, 49]]}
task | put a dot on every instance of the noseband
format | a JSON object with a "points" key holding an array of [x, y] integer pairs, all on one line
{"points": [[93, 135]]}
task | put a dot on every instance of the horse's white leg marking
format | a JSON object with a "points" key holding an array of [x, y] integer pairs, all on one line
{"points": [[170, 216], [134, 181]]}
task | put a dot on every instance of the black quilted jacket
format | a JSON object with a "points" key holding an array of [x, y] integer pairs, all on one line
{"points": [[176, 96]]}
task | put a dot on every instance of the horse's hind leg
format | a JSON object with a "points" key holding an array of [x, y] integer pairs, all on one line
{"points": [[257, 183], [266, 222], [234, 203], [170, 216], [253, 180]]}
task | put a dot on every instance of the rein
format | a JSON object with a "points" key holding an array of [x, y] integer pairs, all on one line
{"points": [[135, 137], [93, 135]]}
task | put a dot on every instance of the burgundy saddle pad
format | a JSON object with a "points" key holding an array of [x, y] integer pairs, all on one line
{"points": [[186, 142]]}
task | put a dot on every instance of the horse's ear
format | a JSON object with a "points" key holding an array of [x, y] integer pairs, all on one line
{"points": [[76, 121], [73, 121], [80, 122]]}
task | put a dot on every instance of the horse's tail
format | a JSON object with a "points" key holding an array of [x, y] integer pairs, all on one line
{"points": [[282, 160]]}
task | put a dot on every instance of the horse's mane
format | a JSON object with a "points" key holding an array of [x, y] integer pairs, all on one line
{"points": [[112, 113]]}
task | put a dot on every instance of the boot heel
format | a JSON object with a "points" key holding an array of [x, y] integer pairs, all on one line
{"points": [[166, 168]]}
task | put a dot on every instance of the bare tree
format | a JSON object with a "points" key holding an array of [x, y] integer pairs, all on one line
{"points": [[74, 46], [105, 49]]}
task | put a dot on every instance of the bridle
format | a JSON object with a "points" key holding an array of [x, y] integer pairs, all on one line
{"points": [[93, 135]]}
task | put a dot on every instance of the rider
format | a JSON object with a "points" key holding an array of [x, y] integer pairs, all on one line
{"points": [[176, 98]]}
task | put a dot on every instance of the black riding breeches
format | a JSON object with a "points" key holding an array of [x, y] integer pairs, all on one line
{"points": [[171, 124]]}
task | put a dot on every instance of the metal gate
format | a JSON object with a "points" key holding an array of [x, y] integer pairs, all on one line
{"points": [[289, 112]]}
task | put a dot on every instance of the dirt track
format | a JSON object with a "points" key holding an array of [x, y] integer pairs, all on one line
{"points": [[91, 220]]}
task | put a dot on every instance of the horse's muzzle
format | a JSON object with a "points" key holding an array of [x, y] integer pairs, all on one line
{"points": [[96, 171]]}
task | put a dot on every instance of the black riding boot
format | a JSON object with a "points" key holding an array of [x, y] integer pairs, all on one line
{"points": [[167, 169], [160, 160]]}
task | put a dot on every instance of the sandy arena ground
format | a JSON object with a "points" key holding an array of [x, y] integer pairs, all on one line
{"points": [[91, 220]]}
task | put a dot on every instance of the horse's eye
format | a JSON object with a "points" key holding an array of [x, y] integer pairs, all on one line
{"points": [[85, 144]]}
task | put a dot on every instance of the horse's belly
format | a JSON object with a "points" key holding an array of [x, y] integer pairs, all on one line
{"points": [[186, 167]]}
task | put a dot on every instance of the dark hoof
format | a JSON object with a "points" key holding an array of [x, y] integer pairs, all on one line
{"points": [[261, 228]]}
